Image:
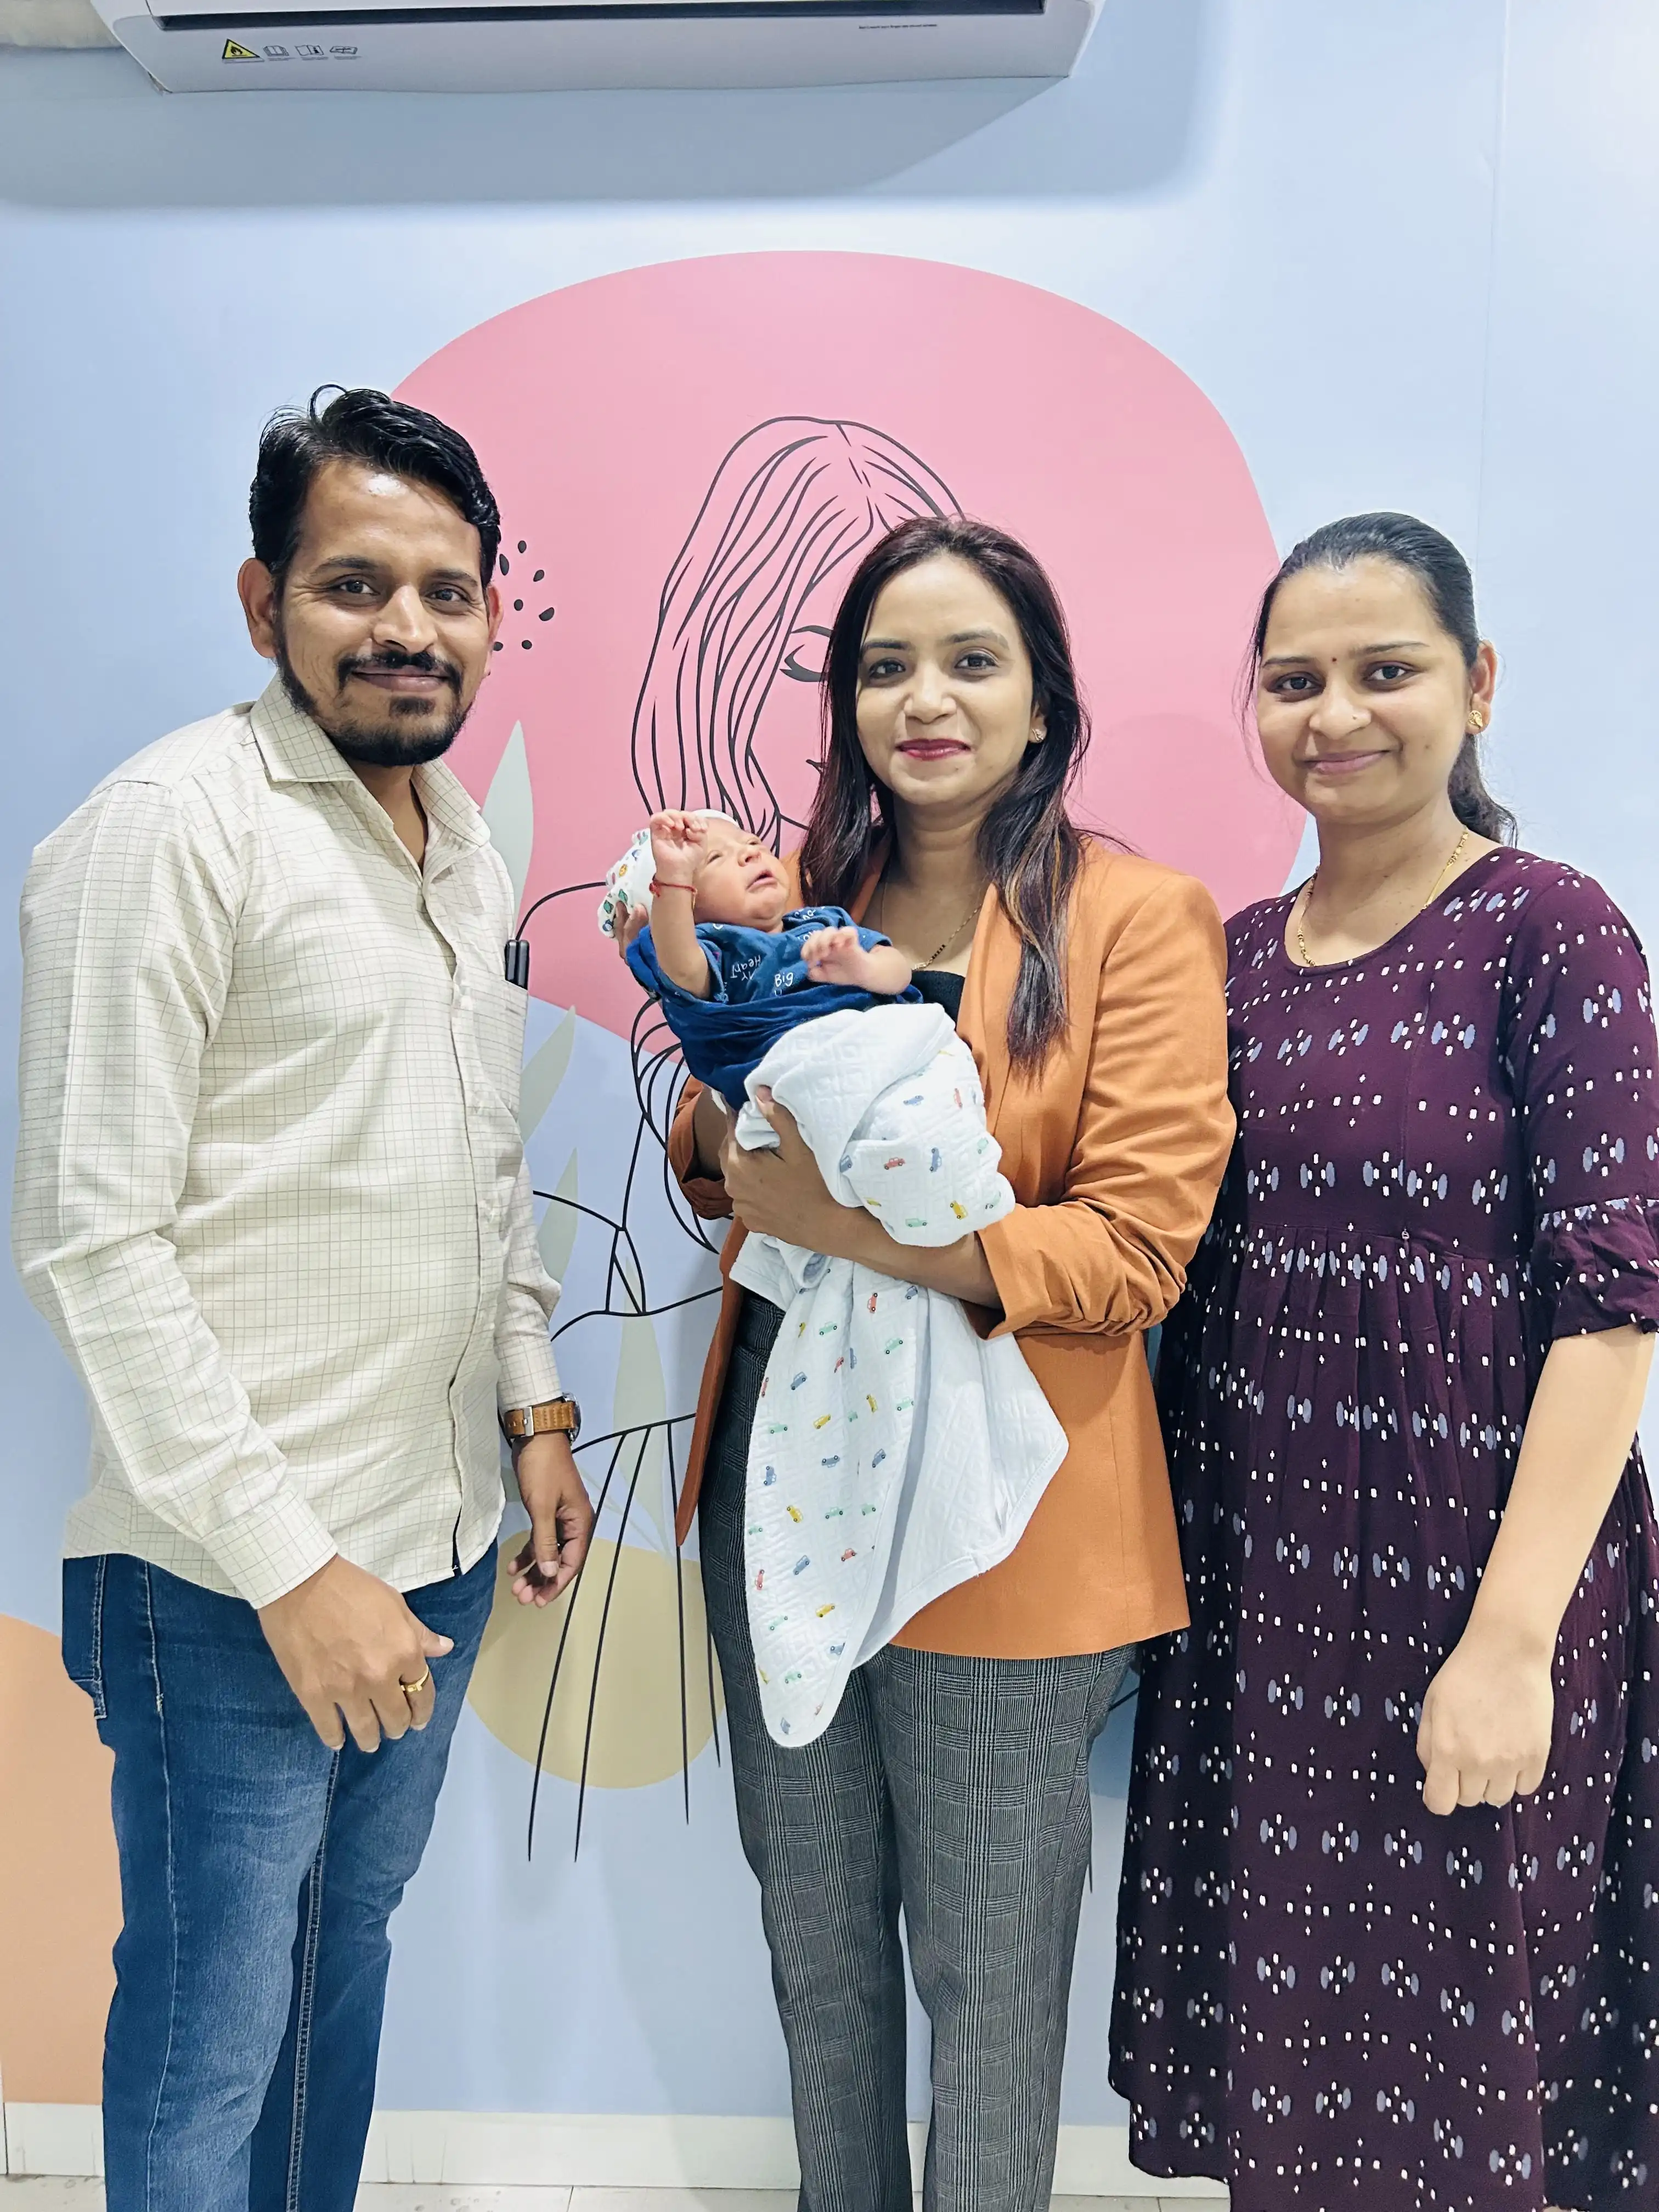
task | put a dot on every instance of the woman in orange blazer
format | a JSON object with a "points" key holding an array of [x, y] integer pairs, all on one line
{"points": [[953, 1781]]}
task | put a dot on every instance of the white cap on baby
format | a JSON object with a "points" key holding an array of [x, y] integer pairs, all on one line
{"points": [[628, 882]]}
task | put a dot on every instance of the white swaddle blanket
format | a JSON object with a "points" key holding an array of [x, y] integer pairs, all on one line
{"points": [[895, 1453]]}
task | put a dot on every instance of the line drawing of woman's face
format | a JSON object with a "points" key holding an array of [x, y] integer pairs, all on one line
{"points": [[746, 609]]}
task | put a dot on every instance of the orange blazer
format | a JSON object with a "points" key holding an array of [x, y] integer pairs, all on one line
{"points": [[1116, 1151]]}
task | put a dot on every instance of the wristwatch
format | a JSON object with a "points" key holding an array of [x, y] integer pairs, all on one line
{"points": [[558, 1416]]}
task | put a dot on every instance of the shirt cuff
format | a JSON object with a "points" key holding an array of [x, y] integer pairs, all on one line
{"points": [[271, 1549], [529, 1375]]}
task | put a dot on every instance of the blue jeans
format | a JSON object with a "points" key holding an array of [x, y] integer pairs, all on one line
{"points": [[258, 1871]]}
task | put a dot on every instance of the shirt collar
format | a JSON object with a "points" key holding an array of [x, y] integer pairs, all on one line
{"points": [[449, 806], [293, 748], [296, 751]]}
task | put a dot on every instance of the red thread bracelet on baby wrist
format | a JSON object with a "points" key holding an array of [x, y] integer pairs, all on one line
{"points": [[656, 887]]}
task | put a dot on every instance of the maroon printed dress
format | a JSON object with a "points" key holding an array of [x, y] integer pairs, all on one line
{"points": [[1448, 1157]]}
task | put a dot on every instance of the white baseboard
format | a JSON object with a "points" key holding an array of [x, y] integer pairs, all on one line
{"points": [[603, 2150], [53, 2139]]}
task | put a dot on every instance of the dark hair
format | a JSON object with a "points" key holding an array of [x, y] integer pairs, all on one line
{"points": [[1029, 846], [1429, 556], [362, 426]]}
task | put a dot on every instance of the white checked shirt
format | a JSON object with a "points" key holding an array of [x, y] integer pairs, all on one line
{"points": [[270, 1193]]}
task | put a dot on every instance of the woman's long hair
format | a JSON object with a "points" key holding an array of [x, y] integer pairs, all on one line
{"points": [[1443, 575], [795, 499], [1029, 846]]}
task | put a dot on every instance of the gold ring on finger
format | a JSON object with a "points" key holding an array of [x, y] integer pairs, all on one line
{"points": [[414, 1689]]}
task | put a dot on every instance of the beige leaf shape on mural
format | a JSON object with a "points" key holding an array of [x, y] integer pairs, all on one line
{"points": [[543, 1071], [556, 1237], [509, 812], [630, 1275], [636, 1738], [642, 1397]]}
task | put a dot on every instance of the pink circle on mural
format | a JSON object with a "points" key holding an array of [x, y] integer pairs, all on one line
{"points": [[691, 458]]}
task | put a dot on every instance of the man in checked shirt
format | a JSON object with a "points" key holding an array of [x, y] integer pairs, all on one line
{"points": [[271, 1196]]}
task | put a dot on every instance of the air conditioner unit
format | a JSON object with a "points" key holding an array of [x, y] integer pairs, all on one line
{"points": [[482, 45]]}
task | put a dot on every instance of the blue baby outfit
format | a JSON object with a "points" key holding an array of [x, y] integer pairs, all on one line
{"points": [[762, 991]]}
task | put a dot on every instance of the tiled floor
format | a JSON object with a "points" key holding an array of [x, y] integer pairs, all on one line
{"points": [[54, 2196]]}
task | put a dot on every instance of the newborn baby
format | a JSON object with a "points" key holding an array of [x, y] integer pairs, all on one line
{"points": [[893, 1453], [735, 966]]}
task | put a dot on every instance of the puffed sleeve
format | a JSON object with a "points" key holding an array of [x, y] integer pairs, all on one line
{"points": [[1109, 1256], [1583, 1056]]}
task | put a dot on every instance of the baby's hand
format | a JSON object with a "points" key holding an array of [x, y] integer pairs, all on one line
{"points": [[675, 841], [836, 956]]}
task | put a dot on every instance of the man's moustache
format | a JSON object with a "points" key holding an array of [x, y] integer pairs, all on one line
{"points": [[383, 664]]}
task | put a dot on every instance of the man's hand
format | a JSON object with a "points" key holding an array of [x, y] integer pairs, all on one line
{"points": [[348, 1643], [560, 1518]]}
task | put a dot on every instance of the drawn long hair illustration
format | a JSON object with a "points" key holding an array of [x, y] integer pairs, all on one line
{"points": [[791, 507], [746, 605]]}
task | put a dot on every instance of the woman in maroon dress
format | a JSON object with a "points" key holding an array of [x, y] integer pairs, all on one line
{"points": [[1390, 1907]]}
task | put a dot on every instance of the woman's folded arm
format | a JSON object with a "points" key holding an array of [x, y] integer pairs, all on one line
{"points": [[1109, 1257]]}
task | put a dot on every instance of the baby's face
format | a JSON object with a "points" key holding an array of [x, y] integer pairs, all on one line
{"points": [[739, 882]]}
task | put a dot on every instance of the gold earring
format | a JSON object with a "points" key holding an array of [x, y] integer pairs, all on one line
{"points": [[1477, 721]]}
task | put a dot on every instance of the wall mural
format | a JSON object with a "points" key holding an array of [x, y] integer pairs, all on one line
{"points": [[690, 460]]}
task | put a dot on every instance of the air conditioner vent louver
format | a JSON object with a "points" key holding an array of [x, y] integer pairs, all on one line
{"points": [[527, 45], [220, 18]]}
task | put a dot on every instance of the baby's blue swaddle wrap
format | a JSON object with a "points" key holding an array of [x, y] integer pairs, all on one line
{"points": [[761, 991]]}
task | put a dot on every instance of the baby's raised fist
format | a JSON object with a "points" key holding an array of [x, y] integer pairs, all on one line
{"points": [[675, 839]]}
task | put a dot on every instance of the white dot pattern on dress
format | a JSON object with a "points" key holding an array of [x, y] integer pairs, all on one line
{"points": [[1448, 1157]]}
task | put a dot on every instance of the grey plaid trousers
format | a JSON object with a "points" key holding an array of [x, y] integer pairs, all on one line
{"points": [[958, 1789]]}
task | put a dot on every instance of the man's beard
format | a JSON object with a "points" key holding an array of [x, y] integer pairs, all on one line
{"points": [[398, 742]]}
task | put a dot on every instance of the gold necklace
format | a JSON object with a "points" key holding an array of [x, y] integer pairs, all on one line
{"points": [[938, 951], [1307, 897]]}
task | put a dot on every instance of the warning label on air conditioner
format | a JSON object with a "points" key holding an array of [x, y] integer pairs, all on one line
{"points": [[233, 53]]}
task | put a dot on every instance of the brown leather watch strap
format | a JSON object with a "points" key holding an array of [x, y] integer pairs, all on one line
{"points": [[560, 1416]]}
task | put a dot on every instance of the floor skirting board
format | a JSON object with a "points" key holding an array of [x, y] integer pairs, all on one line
{"points": [[603, 2150]]}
